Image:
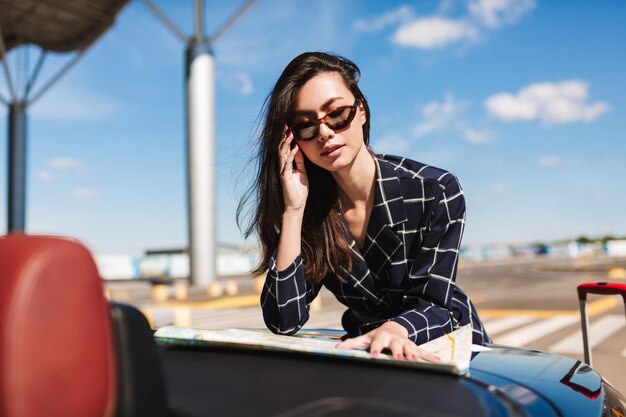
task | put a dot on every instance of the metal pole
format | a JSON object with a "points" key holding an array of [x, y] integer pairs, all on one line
{"points": [[165, 20], [57, 76], [17, 167], [584, 324], [200, 81], [231, 21], [199, 20], [35, 74]]}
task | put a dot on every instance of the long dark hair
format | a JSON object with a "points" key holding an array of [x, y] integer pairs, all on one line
{"points": [[325, 245]]}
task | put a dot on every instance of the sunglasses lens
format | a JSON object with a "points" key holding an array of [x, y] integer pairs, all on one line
{"points": [[305, 131], [340, 118]]}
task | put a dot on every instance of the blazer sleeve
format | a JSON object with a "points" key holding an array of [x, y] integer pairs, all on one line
{"points": [[286, 297], [434, 268]]}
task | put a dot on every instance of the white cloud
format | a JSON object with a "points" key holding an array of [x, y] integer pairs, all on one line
{"points": [[246, 84], [440, 29], [499, 187], [549, 102], [550, 160], [437, 115], [60, 168], [84, 193], [237, 82], [401, 14], [64, 163], [477, 136], [45, 176], [434, 32], [394, 144], [495, 13]]}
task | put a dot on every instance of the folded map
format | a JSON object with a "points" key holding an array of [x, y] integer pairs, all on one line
{"points": [[454, 349]]}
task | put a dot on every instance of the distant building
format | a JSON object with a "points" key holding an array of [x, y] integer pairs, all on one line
{"points": [[616, 247], [483, 253], [174, 263], [578, 249], [560, 250], [117, 266]]}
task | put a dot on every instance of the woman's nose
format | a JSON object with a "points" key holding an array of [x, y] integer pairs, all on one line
{"points": [[325, 133]]}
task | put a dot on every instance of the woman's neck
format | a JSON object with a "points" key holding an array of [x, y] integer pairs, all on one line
{"points": [[356, 182]]}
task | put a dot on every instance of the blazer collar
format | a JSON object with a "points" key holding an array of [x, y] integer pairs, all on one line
{"points": [[388, 200], [387, 214]]}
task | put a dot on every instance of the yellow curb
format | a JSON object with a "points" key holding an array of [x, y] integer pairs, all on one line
{"points": [[617, 273], [593, 308], [181, 290], [601, 305], [259, 282], [160, 292], [215, 289], [231, 287], [226, 302]]}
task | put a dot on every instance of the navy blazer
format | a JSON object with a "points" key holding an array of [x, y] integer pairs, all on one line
{"points": [[407, 269]]}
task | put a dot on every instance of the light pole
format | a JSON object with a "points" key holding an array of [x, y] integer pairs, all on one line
{"points": [[200, 133], [18, 103]]}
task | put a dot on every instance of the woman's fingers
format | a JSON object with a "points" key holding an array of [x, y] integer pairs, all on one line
{"points": [[416, 353], [283, 145], [421, 355], [286, 154], [288, 165], [400, 348], [360, 342], [380, 341], [396, 346], [299, 159]]}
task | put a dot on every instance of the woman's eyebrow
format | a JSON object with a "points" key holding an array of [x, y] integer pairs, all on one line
{"points": [[324, 106]]}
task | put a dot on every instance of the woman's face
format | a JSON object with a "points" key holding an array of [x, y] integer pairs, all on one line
{"points": [[331, 150]]}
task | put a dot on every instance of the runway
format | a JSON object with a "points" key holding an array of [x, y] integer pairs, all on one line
{"points": [[530, 303]]}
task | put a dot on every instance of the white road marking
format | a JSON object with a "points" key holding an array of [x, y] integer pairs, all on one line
{"points": [[532, 332], [505, 323], [599, 330]]}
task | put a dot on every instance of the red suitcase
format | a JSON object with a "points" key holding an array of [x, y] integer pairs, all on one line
{"points": [[605, 288]]}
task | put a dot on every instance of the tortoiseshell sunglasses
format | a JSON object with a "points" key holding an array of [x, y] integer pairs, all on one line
{"points": [[338, 119]]}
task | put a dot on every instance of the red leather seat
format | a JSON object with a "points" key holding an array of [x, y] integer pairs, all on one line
{"points": [[57, 354]]}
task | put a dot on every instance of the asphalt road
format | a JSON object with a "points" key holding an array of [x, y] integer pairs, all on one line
{"points": [[534, 304], [530, 303]]}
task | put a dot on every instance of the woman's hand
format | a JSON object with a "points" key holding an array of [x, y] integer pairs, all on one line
{"points": [[295, 182], [392, 336]]}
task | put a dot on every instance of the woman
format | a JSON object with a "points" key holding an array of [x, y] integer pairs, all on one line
{"points": [[380, 232]]}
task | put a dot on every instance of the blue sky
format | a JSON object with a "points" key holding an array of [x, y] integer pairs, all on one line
{"points": [[523, 100]]}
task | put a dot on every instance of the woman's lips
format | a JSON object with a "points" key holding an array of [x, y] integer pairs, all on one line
{"points": [[332, 151]]}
